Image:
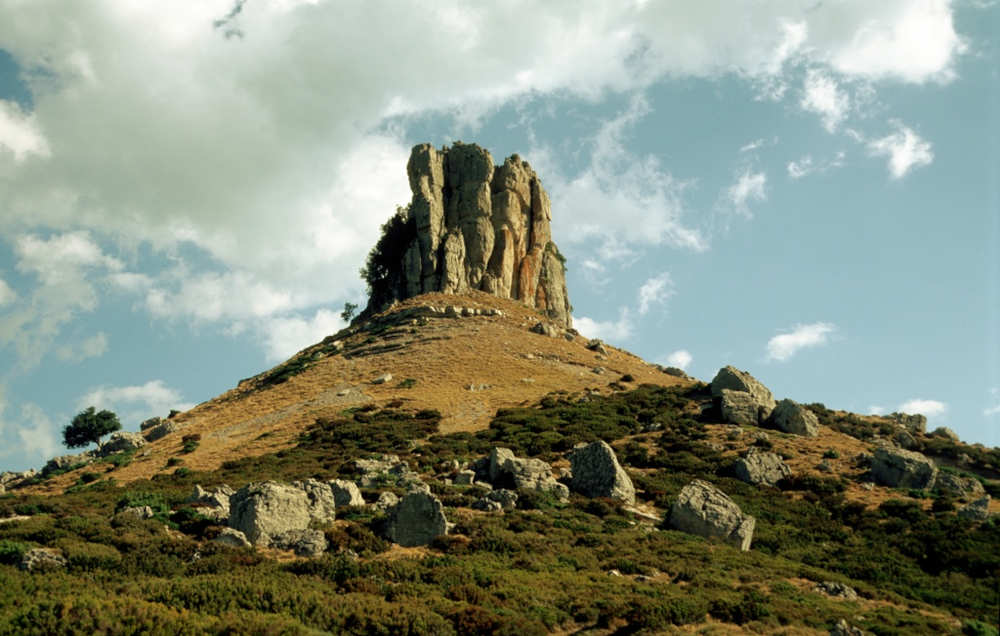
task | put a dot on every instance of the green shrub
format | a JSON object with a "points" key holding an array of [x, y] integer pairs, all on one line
{"points": [[11, 551]]}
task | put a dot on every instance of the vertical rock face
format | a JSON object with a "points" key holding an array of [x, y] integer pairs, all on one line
{"points": [[470, 226]]}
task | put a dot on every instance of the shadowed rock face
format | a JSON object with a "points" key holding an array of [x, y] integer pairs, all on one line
{"points": [[470, 226]]}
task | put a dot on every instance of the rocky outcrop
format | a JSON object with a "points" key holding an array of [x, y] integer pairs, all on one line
{"points": [[122, 442], [961, 487], [232, 537], [496, 500], [843, 628], [470, 226], [304, 542], [704, 510], [978, 510], [912, 423], [732, 379], [160, 429], [761, 468], [504, 470], [417, 519], [214, 503], [41, 559], [739, 407], [597, 473], [837, 590], [265, 510], [900, 468], [346, 493], [794, 418], [66, 462], [945, 433], [385, 470]]}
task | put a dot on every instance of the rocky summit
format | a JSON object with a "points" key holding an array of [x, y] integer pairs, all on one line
{"points": [[471, 225]]}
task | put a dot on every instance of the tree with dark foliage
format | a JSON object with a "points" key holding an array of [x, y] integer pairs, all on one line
{"points": [[89, 427]]}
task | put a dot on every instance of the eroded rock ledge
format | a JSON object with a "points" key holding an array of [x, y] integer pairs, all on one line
{"points": [[470, 226]]}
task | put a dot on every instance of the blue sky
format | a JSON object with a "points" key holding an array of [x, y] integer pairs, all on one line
{"points": [[804, 190]]}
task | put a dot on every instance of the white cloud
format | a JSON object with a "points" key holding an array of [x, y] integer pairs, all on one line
{"points": [[7, 295], [29, 436], [136, 403], [93, 347], [19, 133], [655, 291], [823, 96], [753, 145], [905, 148], [749, 186], [993, 410], [783, 346], [930, 408], [285, 336], [612, 330], [680, 359], [806, 166], [876, 410]]}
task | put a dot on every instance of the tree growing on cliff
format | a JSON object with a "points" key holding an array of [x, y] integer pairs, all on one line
{"points": [[89, 427]]}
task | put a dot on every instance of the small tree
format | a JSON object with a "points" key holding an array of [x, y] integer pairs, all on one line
{"points": [[348, 313], [89, 427]]}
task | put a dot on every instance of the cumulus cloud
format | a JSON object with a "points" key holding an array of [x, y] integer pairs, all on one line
{"points": [[904, 148], [749, 186], [285, 336], [28, 435], [680, 359], [930, 408], [19, 133], [92, 347], [655, 291], [783, 346], [135, 403], [805, 165], [876, 410], [823, 96], [611, 330]]}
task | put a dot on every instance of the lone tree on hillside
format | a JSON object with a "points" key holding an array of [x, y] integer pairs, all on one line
{"points": [[88, 427]]}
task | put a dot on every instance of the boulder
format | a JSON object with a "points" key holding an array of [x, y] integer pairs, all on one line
{"points": [[791, 417], [66, 462], [597, 473], [214, 503], [304, 543], [139, 512], [10, 479], [161, 430], [704, 510], [916, 424], [122, 442], [978, 510], [961, 487], [546, 329], [472, 226], [520, 473], [898, 468], [416, 520], [904, 439], [262, 510], [945, 433], [151, 423], [384, 470], [232, 537], [843, 628], [735, 380], [465, 477], [761, 468], [495, 500], [597, 346], [321, 502], [675, 371], [739, 407], [382, 379], [41, 560], [837, 590], [346, 493], [386, 500]]}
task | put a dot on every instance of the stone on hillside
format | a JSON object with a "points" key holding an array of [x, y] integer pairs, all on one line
{"points": [[304, 543], [739, 407], [41, 560], [843, 628], [465, 477], [386, 500], [546, 329], [384, 470], [762, 468], [150, 423], [122, 442], [945, 433], [232, 537], [382, 379], [735, 380], [978, 510], [962, 487], [214, 503], [346, 493], [10, 479], [522, 473], [597, 346], [912, 423], [904, 439], [898, 468], [675, 371], [322, 505], [837, 590], [472, 226], [704, 510], [65, 462], [161, 430], [262, 510], [139, 512], [416, 520], [794, 418], [495, 500], [597, 473]]}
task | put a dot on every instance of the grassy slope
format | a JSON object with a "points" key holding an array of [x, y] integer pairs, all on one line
{"points": [[918, 568]]}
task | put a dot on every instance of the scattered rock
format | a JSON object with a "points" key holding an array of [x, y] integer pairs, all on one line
{"points": [[945, 433], [597, 473], [161, 430], [546, 329], [739, 407], [10, 479], [962, 487], [384, 470], [735, 380], [305, 542], [978, 510], [496, 500], [898, 468], [151, 423], [762, 468], [386, 500], [465, 477], [65, 462], [382, 379], [904, 439], [232, 537], [262, 510], [212, 503], [42, 560], [139, 512], [837, 590], [597, 346], [122, 442], [322, 505], [346, 493], [416, 520], [704, 510], [599, 370], [506, 470], [843, 628], [912, 423], [794, 418]]}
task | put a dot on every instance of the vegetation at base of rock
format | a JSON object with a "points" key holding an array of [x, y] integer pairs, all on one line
{"points": [[527, 571]]}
